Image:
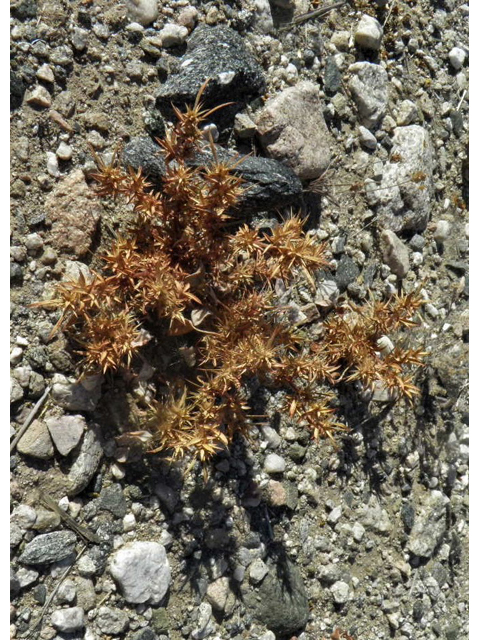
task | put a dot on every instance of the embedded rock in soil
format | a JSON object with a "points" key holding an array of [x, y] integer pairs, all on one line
{"points": [[281, 602], [218, 53], [73, 210], [430, 526], [369, 87], [142, 572], [403, 199], [268, 184], [292, 130]]}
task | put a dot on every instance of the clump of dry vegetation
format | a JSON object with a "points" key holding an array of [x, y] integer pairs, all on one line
{"points": [[188, 267]]}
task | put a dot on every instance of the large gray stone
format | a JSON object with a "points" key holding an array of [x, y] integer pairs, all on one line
{"points": [[36, 441]]}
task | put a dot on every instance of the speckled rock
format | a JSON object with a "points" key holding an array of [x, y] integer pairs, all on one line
{"points": [[73, 211], [49, 547], [430, 525], [369, 87], [111, 622], [292, 130], [403, 199], [218, 53]]}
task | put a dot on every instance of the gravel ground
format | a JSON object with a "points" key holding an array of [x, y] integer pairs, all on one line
{"points": [[368, 106]]}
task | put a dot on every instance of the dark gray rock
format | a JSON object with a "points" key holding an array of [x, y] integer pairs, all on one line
{"points": [[113, 500], [49, 547], [218, 53], [14, 583], [347, 272], [268, 184], [144, 634], [281, 602], [333, 78]]}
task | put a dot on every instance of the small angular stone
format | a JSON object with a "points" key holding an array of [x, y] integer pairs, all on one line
{"points": [[66, 432], [36, 442]]}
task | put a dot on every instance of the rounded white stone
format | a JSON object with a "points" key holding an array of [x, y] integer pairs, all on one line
{"points": [[142, 572]]}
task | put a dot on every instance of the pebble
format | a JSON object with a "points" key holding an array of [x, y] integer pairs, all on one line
{"points": [[173, 35], [407, 113], [16, 355], [244, 127], [457, 57], [24, 516], [111, 621], [49, 547], [16, 391], [142, 571], [39, 96], [45, 73], [369, 87], [52, 164], [67, 592], [76, 396], [369, 33], [262, 16], [373, 517], [142, 11], [258, 570], [442, 231], [66, 432], [274, 464], [34, 243], [340, 592], [220, 596], [367, 139], [334, 515], [395, 253], [401, 204], [64, 151], [68, 620], [26, 577], [36, 442]]}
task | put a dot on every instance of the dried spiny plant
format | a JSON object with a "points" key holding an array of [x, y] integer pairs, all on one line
{"points": [[187, 267]]}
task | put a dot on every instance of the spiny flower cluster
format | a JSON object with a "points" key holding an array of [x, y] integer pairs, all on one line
{"points": [[186, 266]]}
